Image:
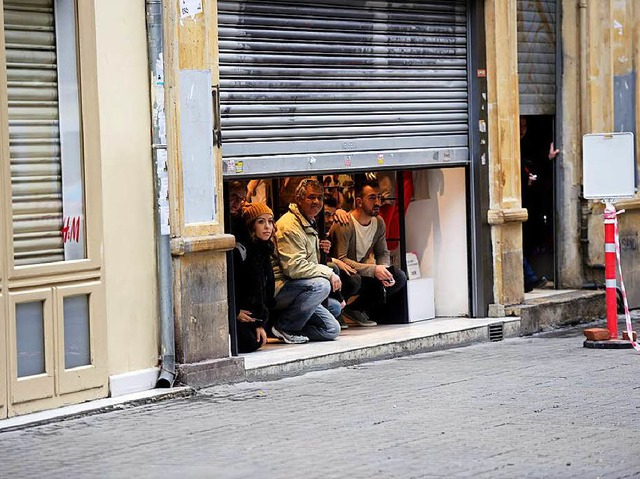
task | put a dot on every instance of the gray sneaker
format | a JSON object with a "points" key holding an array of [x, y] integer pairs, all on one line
{"points": [[288, 337], [358, 318]]}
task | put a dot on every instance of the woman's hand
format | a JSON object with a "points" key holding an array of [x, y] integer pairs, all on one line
{"points": [[261, 335], [245, 316], [342, 266], [342, 216]]}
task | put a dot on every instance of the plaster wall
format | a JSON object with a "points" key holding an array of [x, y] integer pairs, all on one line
{"points": [[129, 251]]}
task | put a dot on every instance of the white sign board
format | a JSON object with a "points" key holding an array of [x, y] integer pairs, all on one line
{"points": [[608, 165]]}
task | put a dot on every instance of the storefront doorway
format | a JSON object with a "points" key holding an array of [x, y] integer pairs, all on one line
{"points": [[344, 88], [538, 72], [52, 292], [425, 213]]}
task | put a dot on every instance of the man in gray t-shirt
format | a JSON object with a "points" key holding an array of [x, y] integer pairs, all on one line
{"points": [[361, 244]]}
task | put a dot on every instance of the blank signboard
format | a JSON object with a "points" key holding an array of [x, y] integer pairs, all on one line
{"points": [[608, 163]]}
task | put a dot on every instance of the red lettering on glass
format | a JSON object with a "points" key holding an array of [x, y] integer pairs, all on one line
{"points": [[71, 229]]}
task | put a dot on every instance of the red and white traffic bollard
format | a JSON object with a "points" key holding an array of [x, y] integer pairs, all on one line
{"points": [[610, 269], [608, 338]]}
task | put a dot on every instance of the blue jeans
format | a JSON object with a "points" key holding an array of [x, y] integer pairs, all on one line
{"points": [[530, 277], [298, 309]]}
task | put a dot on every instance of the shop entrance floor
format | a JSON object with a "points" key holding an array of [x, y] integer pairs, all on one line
{"points": [[356, 345], [543, 309]]}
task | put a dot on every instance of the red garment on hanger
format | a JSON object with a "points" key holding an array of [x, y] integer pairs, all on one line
{"points": [[390, 212]]}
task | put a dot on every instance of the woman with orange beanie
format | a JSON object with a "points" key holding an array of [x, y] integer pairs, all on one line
{"points": [[253, 277]]}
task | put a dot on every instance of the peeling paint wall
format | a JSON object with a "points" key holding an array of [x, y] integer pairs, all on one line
{"points": [[612, 105], [625, 35], [624, 67]]}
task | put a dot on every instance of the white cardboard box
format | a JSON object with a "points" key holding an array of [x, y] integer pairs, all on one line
{"points": [[420, 298]]}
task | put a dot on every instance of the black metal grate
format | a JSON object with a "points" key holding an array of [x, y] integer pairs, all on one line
{"points": [[496, 332]]}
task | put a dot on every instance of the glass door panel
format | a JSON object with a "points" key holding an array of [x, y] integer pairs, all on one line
{"points": [[31, 348], [81, 338]]}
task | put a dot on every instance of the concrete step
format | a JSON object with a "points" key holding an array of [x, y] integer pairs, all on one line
{"points": [[544, 310], [357, 345]]}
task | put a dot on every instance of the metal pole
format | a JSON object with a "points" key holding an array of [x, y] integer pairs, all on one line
{"points": [[231, 288], [159, 155], [401, 242], [610, 269]]}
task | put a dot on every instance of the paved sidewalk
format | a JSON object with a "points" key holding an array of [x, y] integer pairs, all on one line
{"points": [[530, 407]]}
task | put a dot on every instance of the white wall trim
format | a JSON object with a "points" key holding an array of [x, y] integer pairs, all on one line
{"points": [[133, 382]]}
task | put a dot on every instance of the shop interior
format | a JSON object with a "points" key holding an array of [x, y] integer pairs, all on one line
{"points": [[425, 213]]}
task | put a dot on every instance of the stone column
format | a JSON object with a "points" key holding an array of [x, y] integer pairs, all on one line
{"points": [[506, 213], [198, 242]]}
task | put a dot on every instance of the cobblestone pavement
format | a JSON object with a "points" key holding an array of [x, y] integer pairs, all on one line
{"points": [[531, 407]]}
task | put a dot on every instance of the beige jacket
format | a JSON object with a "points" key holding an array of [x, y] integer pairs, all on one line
{"points": [[298, 249]]}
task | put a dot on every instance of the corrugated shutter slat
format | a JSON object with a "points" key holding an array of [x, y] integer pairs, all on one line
{"points": [[34, 142], [300, 78], [537, 56]]}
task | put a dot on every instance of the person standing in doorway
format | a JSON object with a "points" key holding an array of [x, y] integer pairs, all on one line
{"points": [[529, 182]]}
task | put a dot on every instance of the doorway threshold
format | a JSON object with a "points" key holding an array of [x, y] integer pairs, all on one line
{"points": [[547, 309], [358, 345]]}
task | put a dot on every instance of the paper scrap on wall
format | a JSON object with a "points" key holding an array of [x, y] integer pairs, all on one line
{"points": [[190, 8]]}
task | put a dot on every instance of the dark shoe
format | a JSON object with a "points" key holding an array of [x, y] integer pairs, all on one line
{"points": [[539, 283], [357, 318], [343, 325]]}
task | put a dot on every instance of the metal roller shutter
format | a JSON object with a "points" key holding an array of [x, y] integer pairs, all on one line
{"points": [[537, 56], [335, 83], [34, 141]]}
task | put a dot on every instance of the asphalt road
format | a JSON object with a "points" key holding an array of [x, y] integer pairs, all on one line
{"points": [[529, 407]]}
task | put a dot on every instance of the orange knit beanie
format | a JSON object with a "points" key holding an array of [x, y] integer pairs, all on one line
{"points": [[252, 210]]}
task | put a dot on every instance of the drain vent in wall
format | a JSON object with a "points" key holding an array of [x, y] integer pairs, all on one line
{"points": [[496, 332]]}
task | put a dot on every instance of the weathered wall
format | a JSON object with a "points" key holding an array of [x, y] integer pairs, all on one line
{"points": [[506, 213], [613, 30], [129, 251], [599, 94], [568, 223], [198, 247], [625, 35]]}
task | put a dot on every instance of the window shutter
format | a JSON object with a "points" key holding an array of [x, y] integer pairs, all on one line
{"points": [[34, 139], [339, 79], [537, 56]]}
